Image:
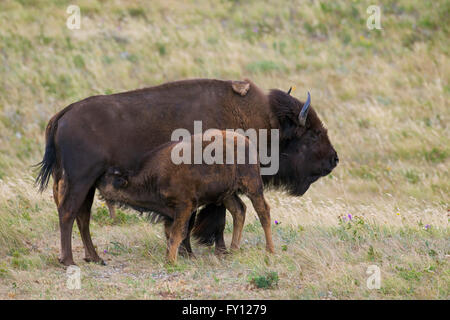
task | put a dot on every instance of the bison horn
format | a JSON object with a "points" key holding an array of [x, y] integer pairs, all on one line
{"points": [[304, 113], [289, 91]]}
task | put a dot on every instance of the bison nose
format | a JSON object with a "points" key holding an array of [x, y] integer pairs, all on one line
{"points": [[334, 160]]}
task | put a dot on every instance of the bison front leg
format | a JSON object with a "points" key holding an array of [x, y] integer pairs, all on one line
{"points": [[185, 247], [178, 232], [219, 241], [209, 227]]}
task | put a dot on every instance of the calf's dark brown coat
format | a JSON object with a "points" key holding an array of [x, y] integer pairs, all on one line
{"points": [[175, 191]]}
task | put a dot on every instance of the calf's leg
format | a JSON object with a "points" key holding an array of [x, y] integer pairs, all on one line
{"points": [[263, 211], [185, 248], [237, 209], [178, 231]]}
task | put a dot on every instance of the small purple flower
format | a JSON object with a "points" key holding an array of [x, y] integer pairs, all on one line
{"points": [[427, 227], [344, 219], [349, 216], [105, 251], [255, 29], [277, 222]]}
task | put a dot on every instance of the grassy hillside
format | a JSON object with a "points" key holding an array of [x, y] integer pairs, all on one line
{"points": [[383, 94]]}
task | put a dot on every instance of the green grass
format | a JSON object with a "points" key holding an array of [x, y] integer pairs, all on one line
{"points": [[268, 280], [102, 218]]}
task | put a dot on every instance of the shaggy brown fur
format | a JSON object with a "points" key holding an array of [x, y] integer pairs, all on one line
{"points": [[175, 191]]}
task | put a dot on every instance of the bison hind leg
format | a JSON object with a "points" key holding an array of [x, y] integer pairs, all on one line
{"points": [[83, 219], [74, 200]]}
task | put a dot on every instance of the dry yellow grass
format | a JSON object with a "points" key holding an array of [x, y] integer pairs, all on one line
{"points": [[383, 94]]}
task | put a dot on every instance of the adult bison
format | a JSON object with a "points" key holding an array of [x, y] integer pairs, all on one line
{"points": [[99, 132]]}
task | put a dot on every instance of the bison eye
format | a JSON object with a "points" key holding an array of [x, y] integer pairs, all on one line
{"points": [[314, 137]]}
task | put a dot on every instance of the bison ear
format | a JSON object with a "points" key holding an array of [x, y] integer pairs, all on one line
{"points": [[304, 112], [240, 87]]}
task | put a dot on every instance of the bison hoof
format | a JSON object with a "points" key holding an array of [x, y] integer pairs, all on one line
{"points": [[191, 255], [99, 261], [221, 252], [66, 262], [186, 254]]}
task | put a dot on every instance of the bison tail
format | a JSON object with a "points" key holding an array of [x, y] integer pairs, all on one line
{"points": [[47, 164], [209, 224]]}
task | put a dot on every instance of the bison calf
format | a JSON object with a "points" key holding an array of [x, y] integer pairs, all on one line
{"points": [[175, 191]]}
